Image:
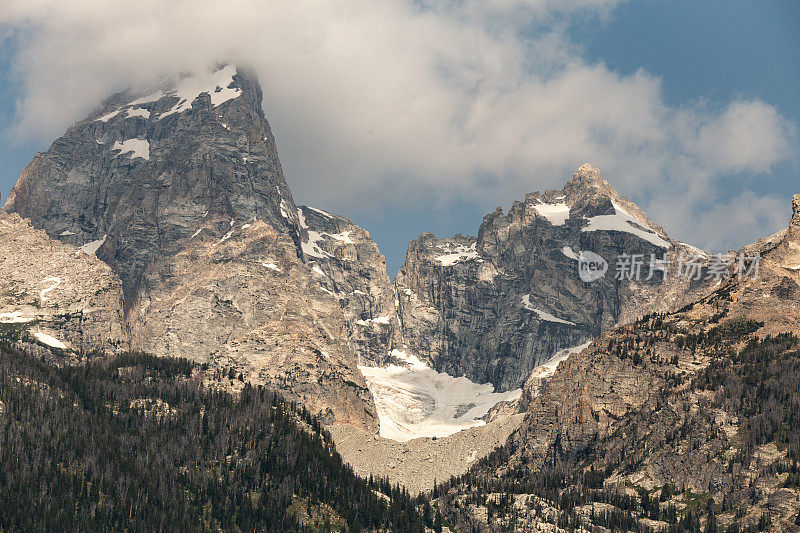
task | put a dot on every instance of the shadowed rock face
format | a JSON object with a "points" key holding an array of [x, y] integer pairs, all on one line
{"points": [[796, 209], [794, 226], [181, 192], [496, 306]]}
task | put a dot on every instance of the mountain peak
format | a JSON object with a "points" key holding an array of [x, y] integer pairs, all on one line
{"points": [[589, 170], [193, 152], [179, 93], [587, 178]]}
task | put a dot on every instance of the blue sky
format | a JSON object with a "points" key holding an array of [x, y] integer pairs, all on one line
{"points": [[713, 51], [368, 129]]}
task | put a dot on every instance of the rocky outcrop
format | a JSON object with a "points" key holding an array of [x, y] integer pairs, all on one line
{"points": [[248, 305], [150, 167], [64, 297], [352, 269], [794, 226], [179, 189], [494, 307], [656, 404], [591, 391]]}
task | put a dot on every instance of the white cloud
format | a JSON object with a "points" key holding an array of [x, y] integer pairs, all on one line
{"points": [[725, 222], [468, 99], [748, 136]]}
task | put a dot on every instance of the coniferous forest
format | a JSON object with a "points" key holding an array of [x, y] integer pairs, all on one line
{"points": [[138, 443], [754, 379]]}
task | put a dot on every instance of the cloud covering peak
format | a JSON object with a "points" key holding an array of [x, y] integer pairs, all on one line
{"points": [[401, 100]]}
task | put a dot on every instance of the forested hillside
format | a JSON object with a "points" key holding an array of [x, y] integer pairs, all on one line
{"points": [[139, 443], [717, 452]]}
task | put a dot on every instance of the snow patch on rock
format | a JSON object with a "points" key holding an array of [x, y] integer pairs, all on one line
{"points": [[224, 238], [556, 214], [152, 97], [272, 266], [49, 340], [215, 84], [312, 248], [542, 373], [135, 147], [547, 369], [16, 317], [54, 282], [383, 320], [543, 315], [321, 212], [342, 237], [456, 253], [91, 248], [621, 220], [567, 251], [109, 116], [138, 112]]}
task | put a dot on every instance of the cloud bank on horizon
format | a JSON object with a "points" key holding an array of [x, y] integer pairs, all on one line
{"points": [[399, 100]]}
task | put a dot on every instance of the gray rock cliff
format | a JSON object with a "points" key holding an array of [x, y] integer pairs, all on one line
{"points": [[61, 296], [179, 189], [351, 268], [496, 306]]}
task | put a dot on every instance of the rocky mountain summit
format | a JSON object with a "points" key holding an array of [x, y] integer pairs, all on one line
{"points": [[680, 419], [149, 169], [179, 189], [495, 307]]}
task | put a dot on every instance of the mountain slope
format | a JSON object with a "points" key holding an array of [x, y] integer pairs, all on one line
{"points": [[494, 307], [140, 443], [680, 418], [62, 296], [179, 189]]}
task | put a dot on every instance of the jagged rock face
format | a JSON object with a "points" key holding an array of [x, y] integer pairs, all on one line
{"points": [[149, 167], [794, 226], [248, 303], [180, 190], [351, 268], [496, 306], [592, 393], [52, 289], [627, 404], [587, 395], [796, 210]]}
